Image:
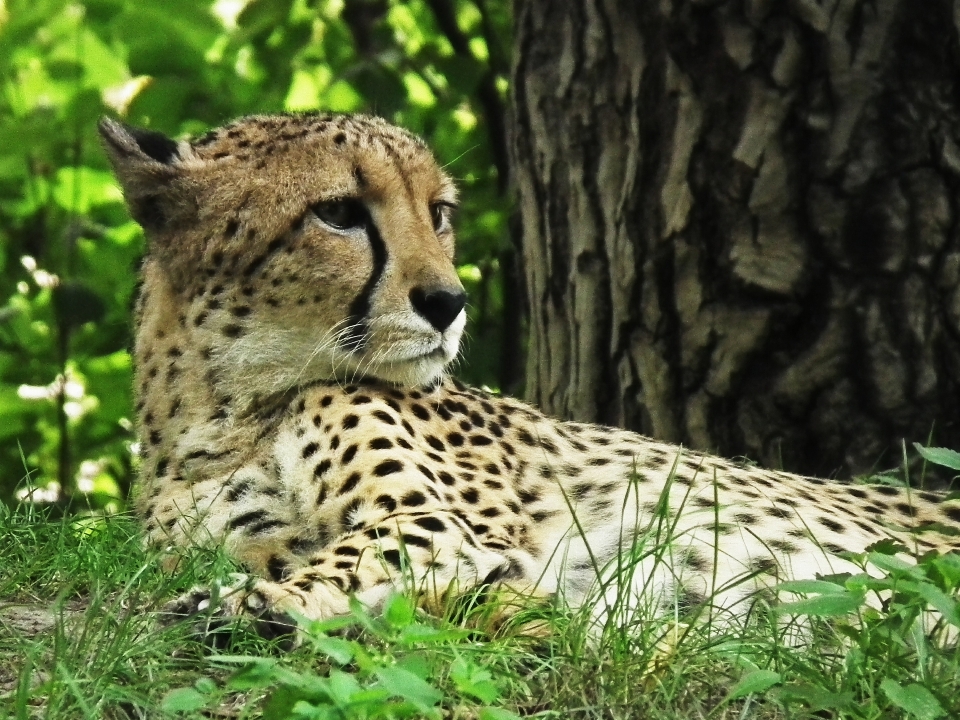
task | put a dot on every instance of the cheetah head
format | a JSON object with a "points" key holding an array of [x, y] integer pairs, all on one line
{"points": [[297, 248]]}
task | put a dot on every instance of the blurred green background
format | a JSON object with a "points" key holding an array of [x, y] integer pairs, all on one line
{"points": [[69, 252]]}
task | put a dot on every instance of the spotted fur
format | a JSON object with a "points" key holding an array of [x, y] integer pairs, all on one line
{"points": [[299, 306]]}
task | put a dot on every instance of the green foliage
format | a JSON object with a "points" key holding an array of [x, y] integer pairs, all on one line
{"points": [[404, 668], [68, 250], [944, 457], [81, 640], [888, 645]]}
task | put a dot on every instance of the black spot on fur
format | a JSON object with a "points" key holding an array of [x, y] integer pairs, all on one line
{"points": [[414, 498], [531, 495], [392, 557], [277, 569], [580, 490], [246, 519], [430, 523], [830, 524], [420, 411], [416, 540], [388, 467], [350, 483], [783, 546], [763, 565], [696, 561], [386, 502]]}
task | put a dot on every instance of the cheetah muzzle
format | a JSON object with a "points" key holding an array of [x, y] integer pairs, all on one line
{"points": [[299, 307]]}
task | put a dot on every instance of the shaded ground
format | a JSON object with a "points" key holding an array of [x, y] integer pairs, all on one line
{"points": [[24, 621]]}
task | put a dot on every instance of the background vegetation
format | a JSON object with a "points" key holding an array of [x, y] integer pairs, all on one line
{"points": [[68, 250]]}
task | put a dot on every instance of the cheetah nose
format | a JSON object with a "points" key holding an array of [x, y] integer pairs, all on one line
{"points": [[440, 307]]}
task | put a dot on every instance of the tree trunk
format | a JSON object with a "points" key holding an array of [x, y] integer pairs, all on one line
{"points": [[740, 222]]}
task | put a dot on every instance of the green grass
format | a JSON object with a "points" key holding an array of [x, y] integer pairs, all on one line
{"points": [[78, 639]]}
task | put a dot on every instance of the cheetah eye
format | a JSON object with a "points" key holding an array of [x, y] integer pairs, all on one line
{"points": [[440, 214], [342, 213]]}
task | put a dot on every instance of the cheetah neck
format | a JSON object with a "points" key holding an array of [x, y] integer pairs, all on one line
{"points": [[186, 417]]}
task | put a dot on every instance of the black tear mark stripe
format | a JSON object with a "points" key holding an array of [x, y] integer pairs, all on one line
{"points": [[360, 306]]}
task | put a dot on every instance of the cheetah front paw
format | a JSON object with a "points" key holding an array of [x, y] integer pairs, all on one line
{"points": [[214, 610]]}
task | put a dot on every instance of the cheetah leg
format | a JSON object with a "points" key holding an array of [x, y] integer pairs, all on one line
{"points": [[430, 553]]}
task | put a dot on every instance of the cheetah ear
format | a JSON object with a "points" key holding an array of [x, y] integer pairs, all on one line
{"points": [[147, 164]]}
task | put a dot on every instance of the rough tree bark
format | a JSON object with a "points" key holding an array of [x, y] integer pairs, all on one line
{"points": [[740, 221]]}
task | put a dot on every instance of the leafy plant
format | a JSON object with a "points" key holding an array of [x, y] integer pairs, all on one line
{"points": [[884, 638], [403, 668]]}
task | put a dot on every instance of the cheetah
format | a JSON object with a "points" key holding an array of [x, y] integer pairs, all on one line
{"points": [[298, 311]]}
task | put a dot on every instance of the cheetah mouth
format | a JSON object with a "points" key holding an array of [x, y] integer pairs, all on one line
{"points": [[437, 353], [430, 359]]}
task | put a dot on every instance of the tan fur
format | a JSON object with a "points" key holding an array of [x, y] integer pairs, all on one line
{"points": [[331, 468]]}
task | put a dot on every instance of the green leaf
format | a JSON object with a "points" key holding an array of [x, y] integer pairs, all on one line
{"points": [[492, 713], [831, 605], [81, 188], [408, 686], [914, 698], [399, 611], [183, 700], [343, 686], [816, 698], [887, 546], [337, 649], [894, 565], [342, 97], [281, 702], [810, 587], [259, 672], [754, 682], [947, 606], [945, 457], [473, 680]]}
